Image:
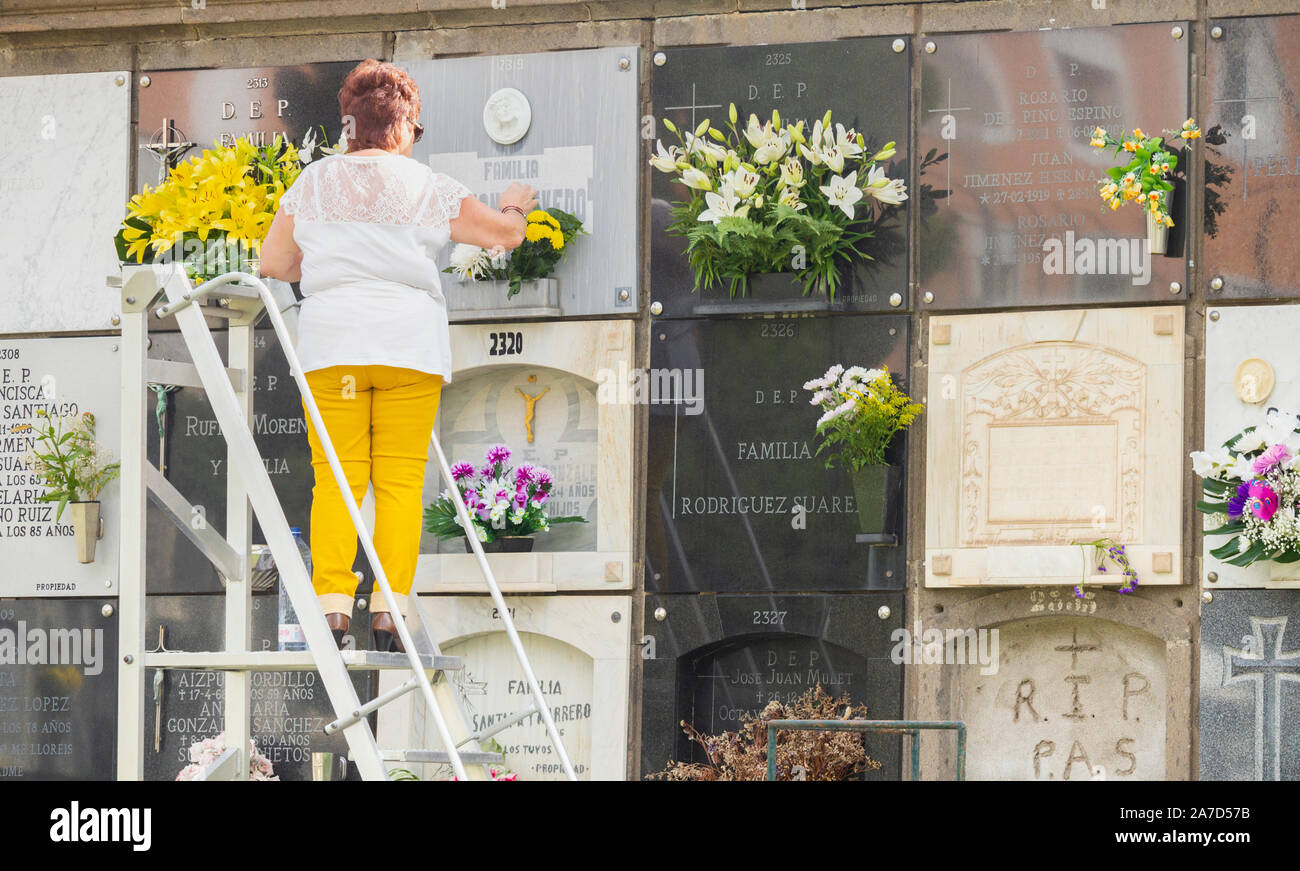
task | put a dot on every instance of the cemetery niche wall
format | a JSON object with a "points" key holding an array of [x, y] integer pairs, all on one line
{"points": [[1014, 113], [712, 660], [737, 498], [561, 395], [1049, 429], [801, 81], [580, 652], [1249, 369], [1249, 695], [64, 184], [529, 118], [1252, 157]]}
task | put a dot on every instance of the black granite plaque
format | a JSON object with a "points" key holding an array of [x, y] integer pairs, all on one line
{"points": [[1014, 114], [1250, 685], [58, 689], [196, 462], [289, 708], [1252, 158], [715, 659], [183, 112], [738, 500], [864, 82]]}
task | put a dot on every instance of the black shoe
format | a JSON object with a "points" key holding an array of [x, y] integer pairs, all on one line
{"points": [[338, 637], [338, 624], [385, 639]]}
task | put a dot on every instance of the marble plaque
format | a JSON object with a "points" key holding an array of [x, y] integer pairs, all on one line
{"points": [[1048, 429], [194, 460], [738, 499], [1250, 685], [183, 112], [569, 129], [1252, 158], [1247, 349], [288, 708], [801, 81], [1072, 699], [579, 650], [59, 376], [559, 395], [65, 189], [58, 689], [712, 660], [1013, 113]]}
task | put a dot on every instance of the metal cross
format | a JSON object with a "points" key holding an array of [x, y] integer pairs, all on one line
{"points": [[1267, 667], [168, 150]]}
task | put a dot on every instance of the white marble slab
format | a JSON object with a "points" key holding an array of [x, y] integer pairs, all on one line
{"points": [[1234, 334], [578, 647], [64, 148]]}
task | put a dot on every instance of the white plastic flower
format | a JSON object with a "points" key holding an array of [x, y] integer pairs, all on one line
{"points": [[723, 204], [743, 182], [886, 190], [846, 141], [666, 158], [1206, 463], [1251, 441], [695, 178], [468, 262]]}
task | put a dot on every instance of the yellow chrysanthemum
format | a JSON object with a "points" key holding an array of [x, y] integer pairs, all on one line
{"points": [[557, 240], [537, 216], [536, 232]]}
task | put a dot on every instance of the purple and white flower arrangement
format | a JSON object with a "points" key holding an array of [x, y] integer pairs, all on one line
{"points": [[502, 501], [1251, 488]]}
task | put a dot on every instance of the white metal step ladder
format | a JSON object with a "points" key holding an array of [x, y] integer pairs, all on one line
{"points": [[240, 299]]}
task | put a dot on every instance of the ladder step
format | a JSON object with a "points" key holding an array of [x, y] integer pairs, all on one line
{"points": [[480, 757], [291, 660]]}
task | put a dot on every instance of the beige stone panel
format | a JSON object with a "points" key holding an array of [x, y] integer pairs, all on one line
{"points": [[1049, 428]]}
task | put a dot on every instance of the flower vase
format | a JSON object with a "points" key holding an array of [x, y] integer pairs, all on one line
{"points": [[504, 544], [1157, 233], [873, 488], [87, 528]]}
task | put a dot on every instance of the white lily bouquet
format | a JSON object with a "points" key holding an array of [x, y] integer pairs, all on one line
{"points": [[776, 199]]}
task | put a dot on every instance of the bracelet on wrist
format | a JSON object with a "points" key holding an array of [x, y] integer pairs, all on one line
{"points": [[513, 208]]}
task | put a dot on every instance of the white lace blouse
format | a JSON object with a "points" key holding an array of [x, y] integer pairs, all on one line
{"points": [[369, 227]]}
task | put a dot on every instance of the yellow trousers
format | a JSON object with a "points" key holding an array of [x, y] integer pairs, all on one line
{"points": [[379, 419]]}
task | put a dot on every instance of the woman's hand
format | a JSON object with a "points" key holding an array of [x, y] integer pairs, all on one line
{"points": [[518, 195], [481, 225]]}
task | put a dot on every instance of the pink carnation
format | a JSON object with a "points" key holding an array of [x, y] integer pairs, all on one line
{"points": [[1274, 456]]}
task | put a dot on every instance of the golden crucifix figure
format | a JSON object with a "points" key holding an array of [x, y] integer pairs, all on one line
{"points": [[530, 408]]}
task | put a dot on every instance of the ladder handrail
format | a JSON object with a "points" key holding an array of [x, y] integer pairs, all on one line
{"points": [[295, 368]]}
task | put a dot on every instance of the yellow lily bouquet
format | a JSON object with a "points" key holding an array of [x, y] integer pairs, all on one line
{"points": [[212, 211]]}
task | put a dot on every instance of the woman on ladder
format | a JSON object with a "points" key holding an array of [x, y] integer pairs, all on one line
{"points": [[360, 231]]}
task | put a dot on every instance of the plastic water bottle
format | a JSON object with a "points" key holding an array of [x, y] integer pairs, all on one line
{"points": [[291, 634]]}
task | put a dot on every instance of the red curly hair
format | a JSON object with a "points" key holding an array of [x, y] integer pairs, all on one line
{"points": [[380, 98]]}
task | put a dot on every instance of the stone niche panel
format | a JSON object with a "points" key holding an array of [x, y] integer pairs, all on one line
{"points": [[1012, 114], [580, 651], [1252, 158], [564, 122], [57, 376], [1096, 688], [1250, 685], [560, 395], [1050, 428], [65, 188], [1249, 368], [711, 660], [801, 81], [738, 499], [58, 683]]}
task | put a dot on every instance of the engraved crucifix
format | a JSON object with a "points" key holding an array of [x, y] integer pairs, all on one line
{"points": [[168, 150], [1267, 666]]}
